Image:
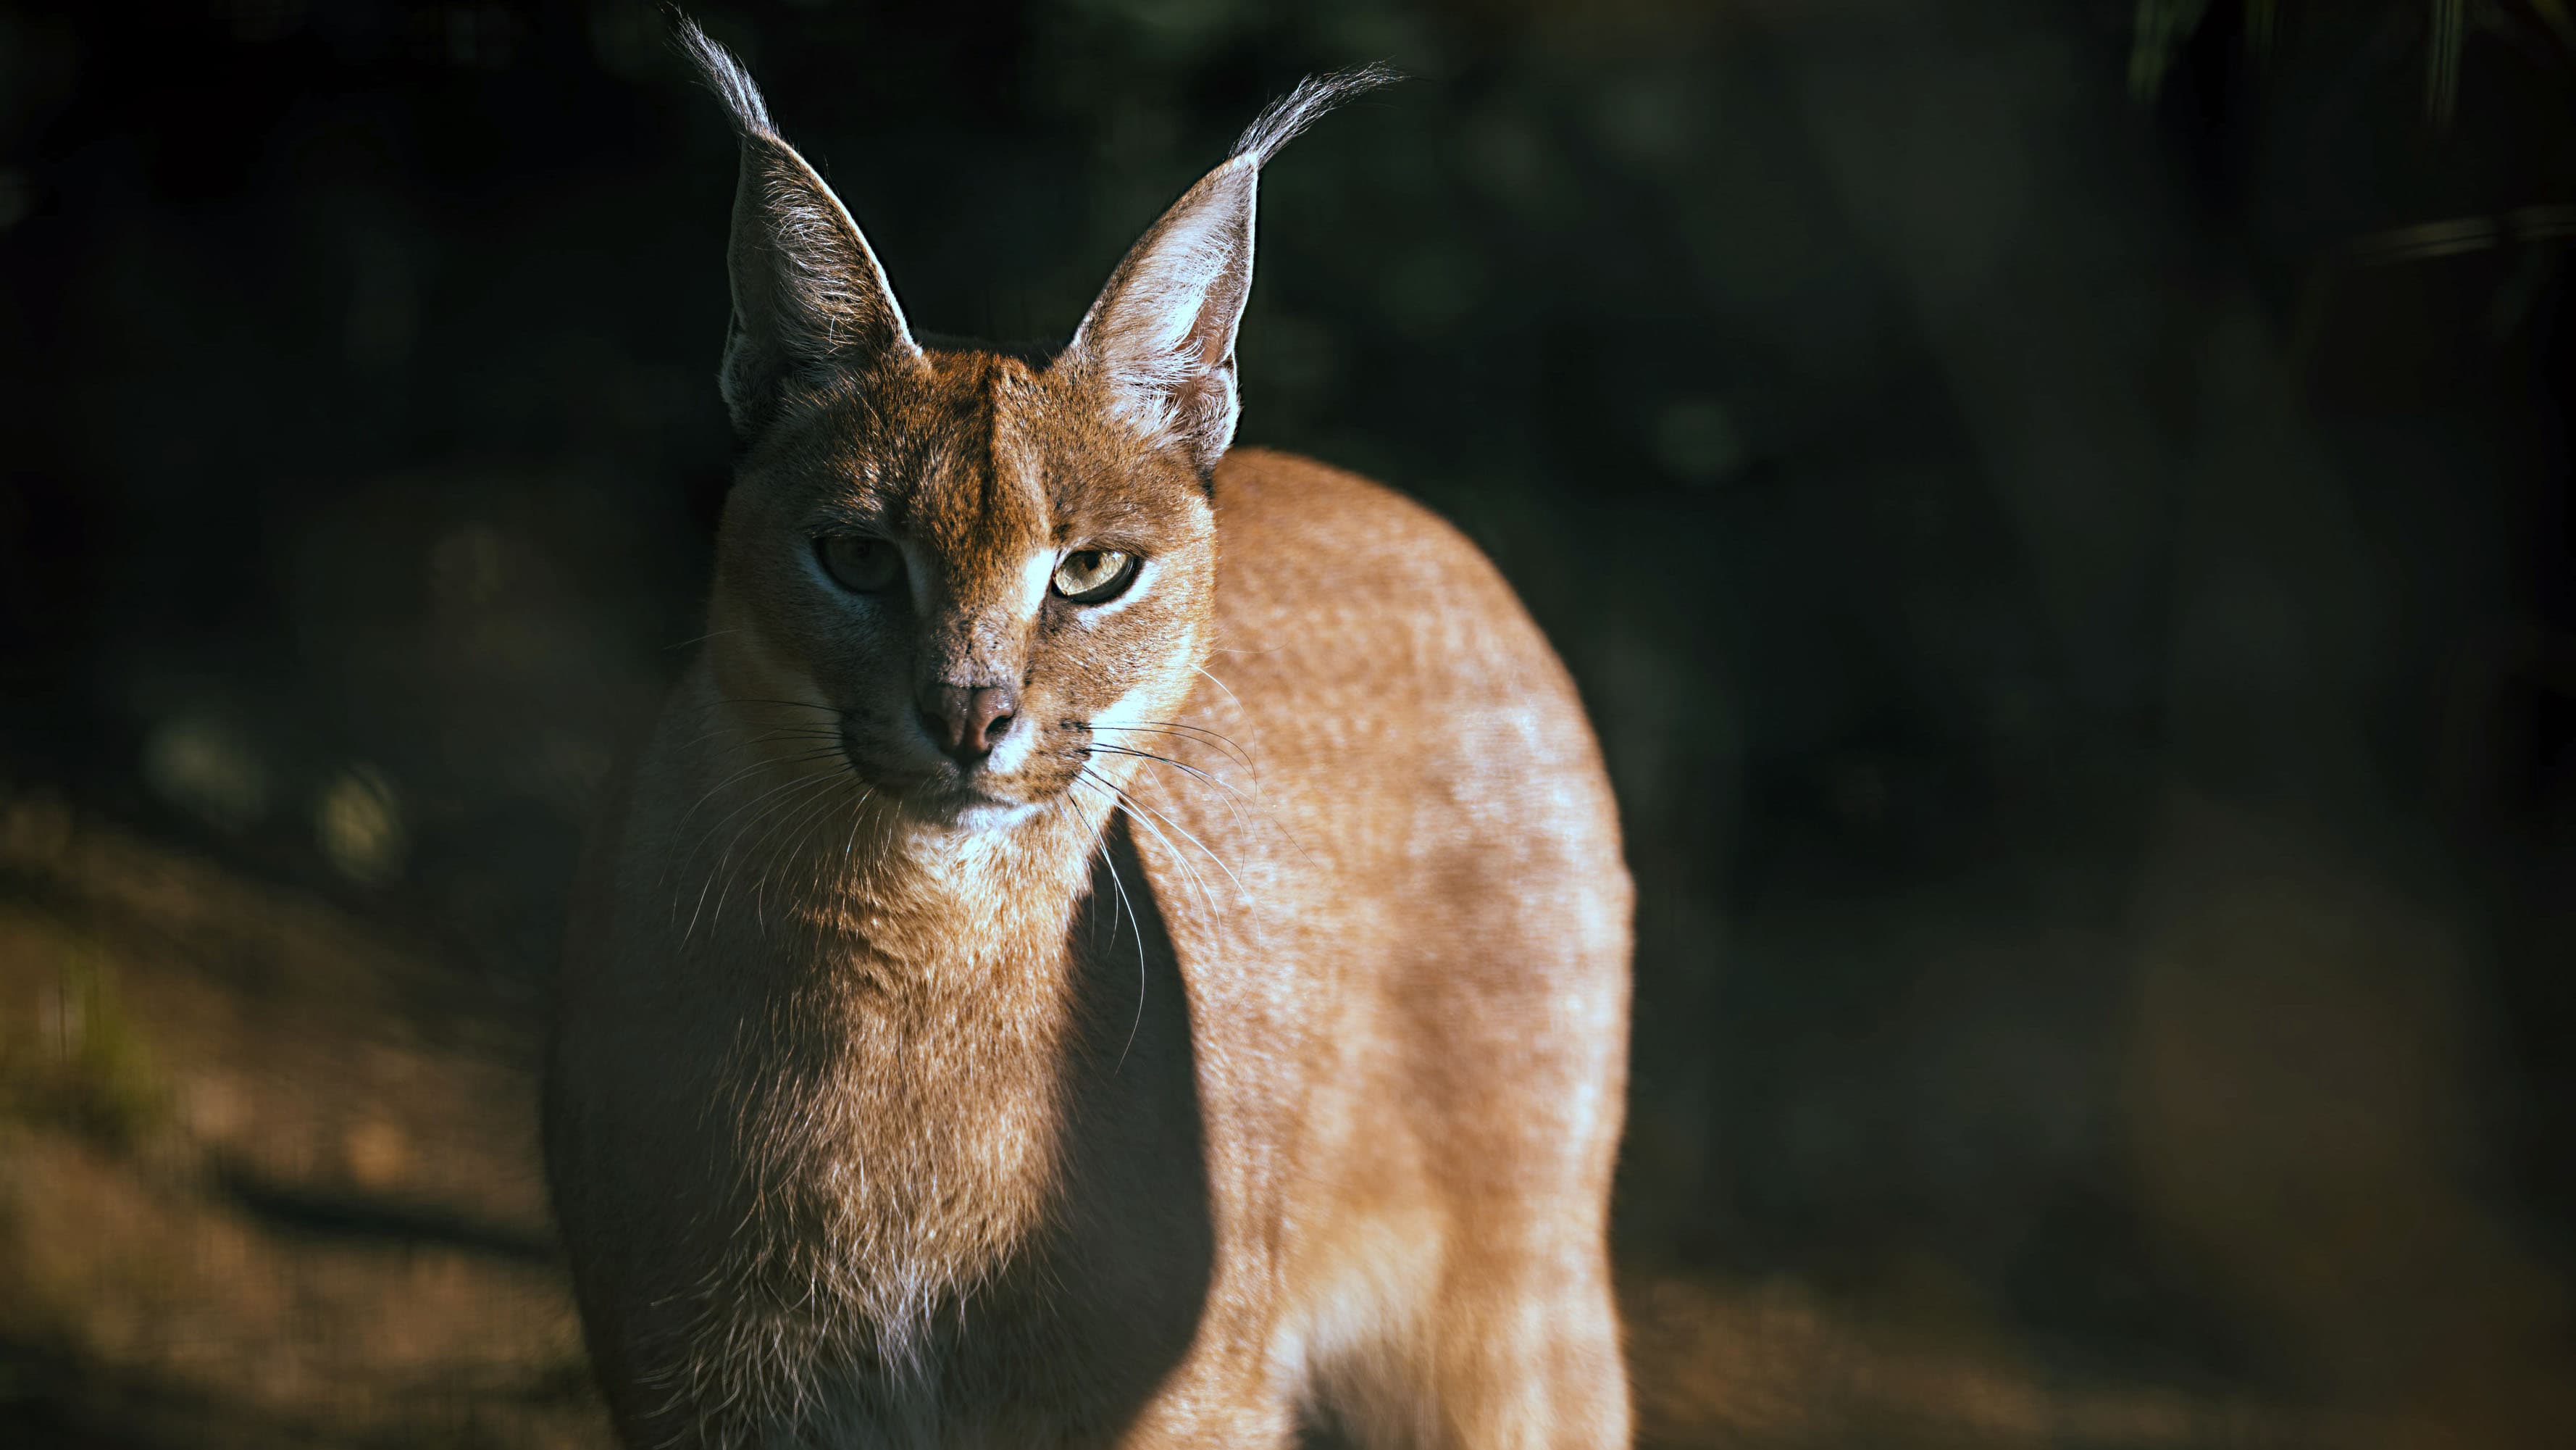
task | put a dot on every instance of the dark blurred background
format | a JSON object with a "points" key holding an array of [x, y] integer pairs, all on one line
{"points": [[2060, 512]]}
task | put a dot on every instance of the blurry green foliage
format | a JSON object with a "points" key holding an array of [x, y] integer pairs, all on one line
{"points": [[78, 1060]]}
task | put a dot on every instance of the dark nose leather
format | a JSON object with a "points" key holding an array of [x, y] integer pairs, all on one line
{"points": [[968, 721]]}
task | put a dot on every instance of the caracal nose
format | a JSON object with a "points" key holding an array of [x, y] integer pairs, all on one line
{"points": [[968, 721]]}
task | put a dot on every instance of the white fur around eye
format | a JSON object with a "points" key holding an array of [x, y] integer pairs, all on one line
{"points": [[1035, 575]]}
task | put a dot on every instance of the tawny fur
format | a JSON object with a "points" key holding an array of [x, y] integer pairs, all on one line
{"points": [[1086, 1098]]}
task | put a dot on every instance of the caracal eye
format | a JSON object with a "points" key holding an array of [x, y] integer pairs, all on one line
{"points": [[860, 564], [1094, 576]]}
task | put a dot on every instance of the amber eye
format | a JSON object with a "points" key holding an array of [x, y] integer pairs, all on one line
{"points": [[860, 564], [1094, 576]]}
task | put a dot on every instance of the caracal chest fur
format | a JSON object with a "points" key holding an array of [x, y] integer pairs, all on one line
{"points": [[1112, 941]]}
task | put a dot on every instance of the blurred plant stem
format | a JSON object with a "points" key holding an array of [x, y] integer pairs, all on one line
{"points": [[82, 1063], [2164, 27]]}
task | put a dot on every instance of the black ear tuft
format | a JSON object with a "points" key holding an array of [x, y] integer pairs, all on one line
{"points": [[1287, 118], [1159, 340], [808, 296], [725, 76]]}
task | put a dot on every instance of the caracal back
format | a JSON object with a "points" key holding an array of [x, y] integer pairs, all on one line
{"points": [[1431, 928]]}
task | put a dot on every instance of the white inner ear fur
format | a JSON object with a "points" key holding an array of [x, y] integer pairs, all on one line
{"points": [[1154, 330], [1168, 321]]}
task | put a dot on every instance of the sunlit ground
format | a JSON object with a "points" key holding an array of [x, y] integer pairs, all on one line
{"points": [[267, 1176]]}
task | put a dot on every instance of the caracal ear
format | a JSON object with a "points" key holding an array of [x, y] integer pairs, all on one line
{"points": [[1159, 341], [808, 296]]}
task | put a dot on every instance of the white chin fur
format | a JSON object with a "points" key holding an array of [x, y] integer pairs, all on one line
{"points": [[988, 816]]}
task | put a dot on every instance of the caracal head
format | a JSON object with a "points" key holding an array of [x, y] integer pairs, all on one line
{"points": [[980, 571]]}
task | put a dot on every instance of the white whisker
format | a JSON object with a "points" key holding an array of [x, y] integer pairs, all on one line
{"points": [[725, 857], [1239, 887], [1139, 927], [1180, 860]]}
